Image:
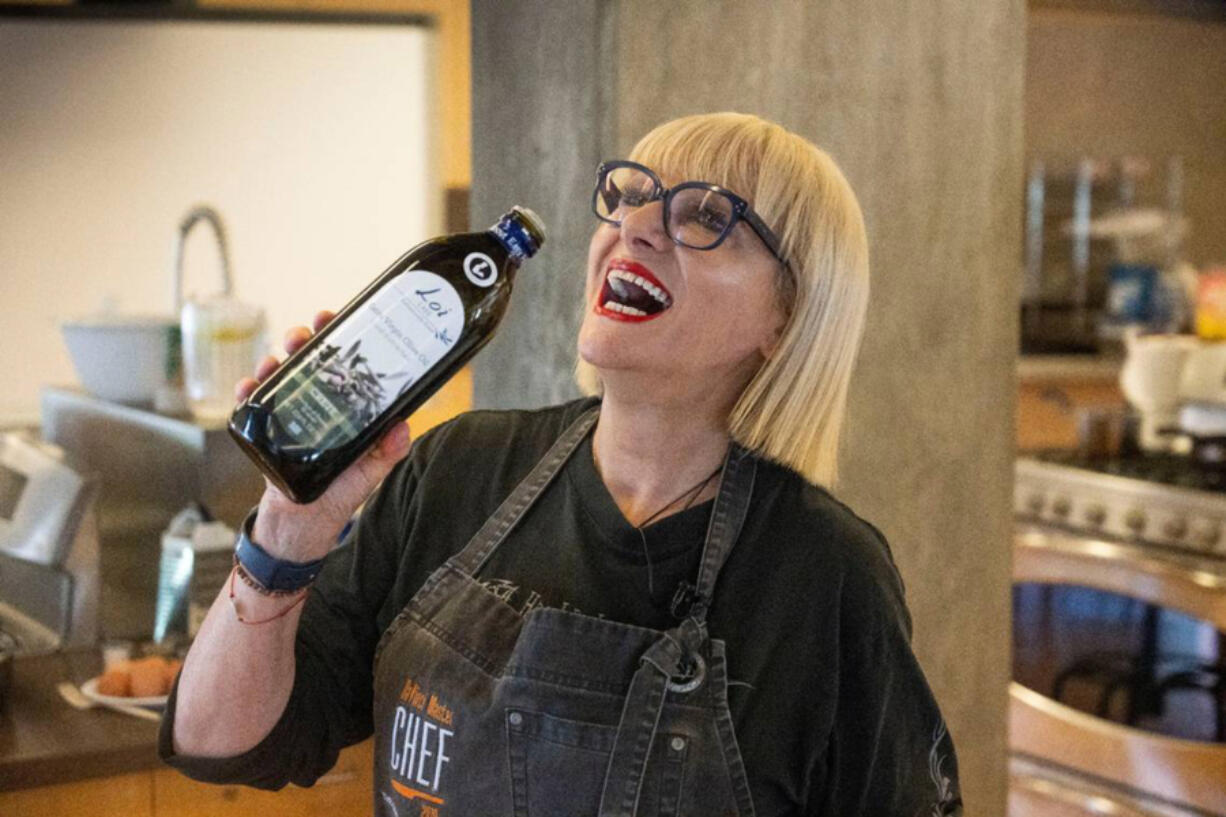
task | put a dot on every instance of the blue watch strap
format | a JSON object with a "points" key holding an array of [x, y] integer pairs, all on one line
{"points": [[271, 572]]}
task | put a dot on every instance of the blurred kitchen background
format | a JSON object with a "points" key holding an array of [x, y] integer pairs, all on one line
{"points": [[1042, 378]]}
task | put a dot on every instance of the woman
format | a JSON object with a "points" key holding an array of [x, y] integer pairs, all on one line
{"points": [[636, 603]]}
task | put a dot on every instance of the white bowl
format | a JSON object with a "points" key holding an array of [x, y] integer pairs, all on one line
{"points": [[124, 358]]}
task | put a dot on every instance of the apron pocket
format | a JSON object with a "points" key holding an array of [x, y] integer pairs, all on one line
{"points": [[558, 767]]}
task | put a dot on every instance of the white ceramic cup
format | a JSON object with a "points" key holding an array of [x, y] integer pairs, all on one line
{"points": [[1150, 380]]}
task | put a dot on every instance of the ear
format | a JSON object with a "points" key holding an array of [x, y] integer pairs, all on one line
{"points": [[768, 349], [771, 344]]}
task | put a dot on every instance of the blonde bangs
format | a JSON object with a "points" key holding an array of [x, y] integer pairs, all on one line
{"points": [[728, 149], [792, 411], [724, 149]]}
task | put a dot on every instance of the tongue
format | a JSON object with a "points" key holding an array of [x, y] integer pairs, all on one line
{"points": [[628, 294]]}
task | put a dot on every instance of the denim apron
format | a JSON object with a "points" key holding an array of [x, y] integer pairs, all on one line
{"points": [[480, 711]]}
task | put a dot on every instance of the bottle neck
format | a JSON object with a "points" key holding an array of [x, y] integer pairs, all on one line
{"points": [[518, 242]]}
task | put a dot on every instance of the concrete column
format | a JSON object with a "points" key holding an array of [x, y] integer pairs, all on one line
{"points": [[920, 103]]}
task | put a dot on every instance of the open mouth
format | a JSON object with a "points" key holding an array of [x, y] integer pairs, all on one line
{"points": [[632, 293]]}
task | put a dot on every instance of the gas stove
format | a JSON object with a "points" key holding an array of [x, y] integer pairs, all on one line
{"points": [[1162, 500], [1119, 632]]}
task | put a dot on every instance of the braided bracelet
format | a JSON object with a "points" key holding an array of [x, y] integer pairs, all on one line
{"points": [[302, 594], [258, 586]]}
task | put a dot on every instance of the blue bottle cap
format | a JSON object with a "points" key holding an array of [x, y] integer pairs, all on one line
{"points": [[521, 231]]}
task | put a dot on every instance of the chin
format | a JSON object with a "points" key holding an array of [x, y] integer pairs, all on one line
{"points": [[596, 351], [606, 355]]}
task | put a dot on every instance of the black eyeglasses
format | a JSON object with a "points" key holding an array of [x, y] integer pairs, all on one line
{"points": [[699, 215]]}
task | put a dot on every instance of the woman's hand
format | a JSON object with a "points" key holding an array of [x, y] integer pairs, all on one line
{"points": [[302, 533]]}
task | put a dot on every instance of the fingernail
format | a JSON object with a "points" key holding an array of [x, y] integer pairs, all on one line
{"points": [[399, 437]]}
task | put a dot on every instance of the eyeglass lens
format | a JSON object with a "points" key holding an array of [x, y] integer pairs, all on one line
{"points": [[695, 217]]}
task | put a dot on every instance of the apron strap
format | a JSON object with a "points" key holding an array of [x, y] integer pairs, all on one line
{"points": [[495, 530], [662, 661], [675, 661], [727, 518]]}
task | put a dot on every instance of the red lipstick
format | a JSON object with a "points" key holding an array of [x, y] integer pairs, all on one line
{"points": [[632, 293]]}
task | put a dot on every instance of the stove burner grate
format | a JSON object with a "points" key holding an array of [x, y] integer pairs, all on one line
{"points": [[1168, 469]]}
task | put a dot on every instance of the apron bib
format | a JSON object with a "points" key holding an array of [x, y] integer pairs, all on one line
{"points": [[482, 712]]}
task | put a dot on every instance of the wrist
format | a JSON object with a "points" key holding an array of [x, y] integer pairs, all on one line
{"points": [[248, 611], [249, 604], [289, 533], [268, 572]]}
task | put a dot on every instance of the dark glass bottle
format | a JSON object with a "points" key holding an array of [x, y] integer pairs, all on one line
{"points": [[383, 355]]}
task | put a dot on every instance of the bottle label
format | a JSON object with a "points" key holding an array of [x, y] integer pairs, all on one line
{"points": [[375, 356]]}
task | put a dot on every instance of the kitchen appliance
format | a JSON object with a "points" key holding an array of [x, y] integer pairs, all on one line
{"points": [[1201, 433], [1203, 377], [1178, 385], [8, 649], [48, 548], [1118, 704], [197, 557], [1150, 379], [147, 466], [1083, 217]]}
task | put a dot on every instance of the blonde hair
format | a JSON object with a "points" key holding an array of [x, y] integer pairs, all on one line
{"points": [[792, 410]]}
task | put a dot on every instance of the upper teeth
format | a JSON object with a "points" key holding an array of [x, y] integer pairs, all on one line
{"points": [[640, 281]]}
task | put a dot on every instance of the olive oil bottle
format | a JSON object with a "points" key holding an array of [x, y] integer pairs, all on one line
{"points": [[383, 355]]}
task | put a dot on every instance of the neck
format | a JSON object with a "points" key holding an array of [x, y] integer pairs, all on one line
{"points": [[648, 452]]}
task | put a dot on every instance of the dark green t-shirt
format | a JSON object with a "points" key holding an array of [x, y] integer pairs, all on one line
{"points": [[831, 710]]}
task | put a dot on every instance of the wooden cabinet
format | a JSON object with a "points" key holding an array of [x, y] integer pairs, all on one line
{"points": [[126, 794], [347, 789], [163, 792], [1047, 410], [1053, 390]]}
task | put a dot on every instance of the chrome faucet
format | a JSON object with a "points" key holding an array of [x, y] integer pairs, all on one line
{"points": [[200, 212]]}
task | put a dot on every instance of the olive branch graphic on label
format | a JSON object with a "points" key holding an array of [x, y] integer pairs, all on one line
{"points": [[350, 377]]}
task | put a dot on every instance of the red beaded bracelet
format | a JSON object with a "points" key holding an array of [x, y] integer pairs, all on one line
{"points": [[302, 594]]}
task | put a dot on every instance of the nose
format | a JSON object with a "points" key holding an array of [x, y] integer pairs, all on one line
{"points": [[643, 228]]}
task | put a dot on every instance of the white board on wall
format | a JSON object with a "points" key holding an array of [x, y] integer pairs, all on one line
{"points": [[311, 139]]}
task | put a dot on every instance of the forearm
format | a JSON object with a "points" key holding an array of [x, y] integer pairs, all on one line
{"points": [[237, 677]]}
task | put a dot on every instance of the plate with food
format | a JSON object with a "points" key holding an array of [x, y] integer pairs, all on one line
{"points": [[140, 682]]}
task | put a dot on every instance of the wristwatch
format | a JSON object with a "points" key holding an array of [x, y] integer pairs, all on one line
{"points": [[279, 575]]}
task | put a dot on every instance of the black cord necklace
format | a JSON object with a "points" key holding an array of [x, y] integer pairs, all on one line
{"points": [[691, 492]]}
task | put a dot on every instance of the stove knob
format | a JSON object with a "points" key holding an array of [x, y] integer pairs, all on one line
{"points": [[1096, 515], [1135, 520], [1061, 507], [1034, 502], [1175, 528], [1207, 535]]}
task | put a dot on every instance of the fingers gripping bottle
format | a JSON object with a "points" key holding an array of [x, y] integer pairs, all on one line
{"points": [[383, 355]]}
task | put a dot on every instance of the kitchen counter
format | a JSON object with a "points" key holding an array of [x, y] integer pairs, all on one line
{"points": [[43, 740], [1069, 367], [1053, 388], [97, 763]]}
